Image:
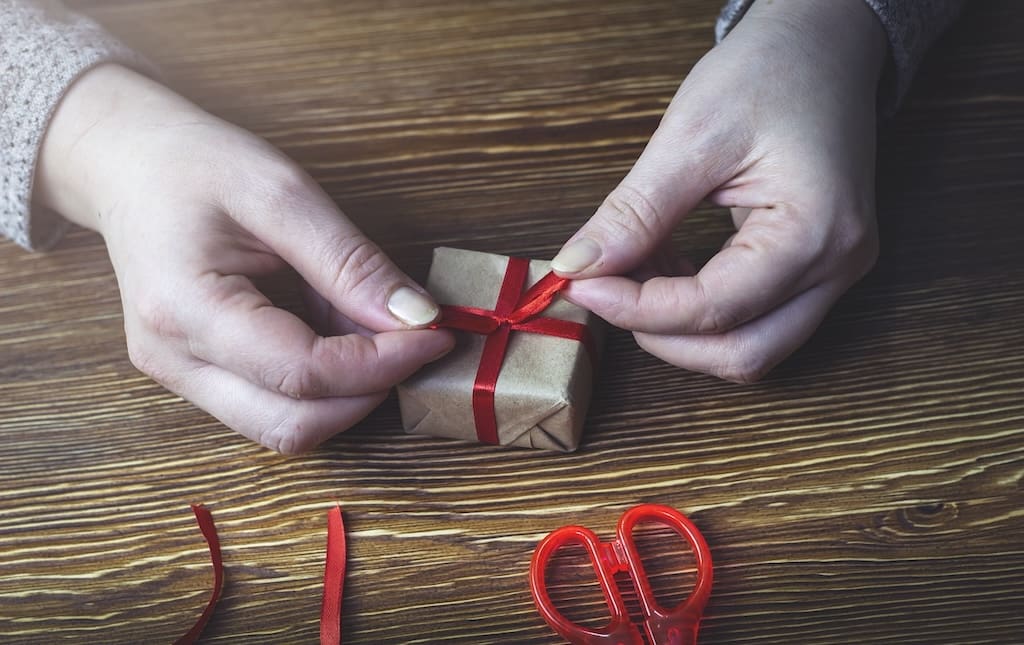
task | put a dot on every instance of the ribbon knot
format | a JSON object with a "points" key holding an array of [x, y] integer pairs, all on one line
{"points": [[513, 311]]}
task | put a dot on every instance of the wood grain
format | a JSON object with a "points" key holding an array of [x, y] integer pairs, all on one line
{"points": [[870, 490]]}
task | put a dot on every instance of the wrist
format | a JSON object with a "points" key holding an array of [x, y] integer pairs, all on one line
{"points": [[62, 182], [93, 139], [843, 33]]}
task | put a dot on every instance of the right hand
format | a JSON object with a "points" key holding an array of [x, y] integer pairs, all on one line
{"points": [[192, 209], [778, 123]]}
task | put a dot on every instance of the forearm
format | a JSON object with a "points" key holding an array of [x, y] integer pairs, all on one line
{"points": [[43, 49]]}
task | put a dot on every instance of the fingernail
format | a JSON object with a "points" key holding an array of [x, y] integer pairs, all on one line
{"points": [[412, 307], [576, 256]]}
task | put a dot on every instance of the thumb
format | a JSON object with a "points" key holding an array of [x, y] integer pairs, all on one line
{"points": [[672, 175], [302, 225]]}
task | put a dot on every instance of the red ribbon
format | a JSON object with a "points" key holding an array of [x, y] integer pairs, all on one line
{"points": [[334, 577], [205, 521], [514, 311], [334, 580]]}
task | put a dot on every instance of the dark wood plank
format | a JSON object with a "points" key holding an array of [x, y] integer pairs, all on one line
{"points": [[869, 490]]}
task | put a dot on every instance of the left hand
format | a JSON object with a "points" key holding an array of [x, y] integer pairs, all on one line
{"points": [[194, 211], [777, 122]]}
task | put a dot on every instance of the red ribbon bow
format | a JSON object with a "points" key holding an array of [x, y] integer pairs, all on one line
{"points": [[514, 311]]}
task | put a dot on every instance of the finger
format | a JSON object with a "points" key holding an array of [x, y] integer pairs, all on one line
{"points": [[275, 421], [293, 216], [236, 327], [664, 261], [325, 319], [318, 310], [747, 353], [767, 262], [280, 423], [684, 161]]}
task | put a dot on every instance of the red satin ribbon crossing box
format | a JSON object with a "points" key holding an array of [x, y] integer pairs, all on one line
{"points": [[522, 371]]}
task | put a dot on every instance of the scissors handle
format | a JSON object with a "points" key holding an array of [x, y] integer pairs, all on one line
{"points": [[675, 626], [619, 630]]}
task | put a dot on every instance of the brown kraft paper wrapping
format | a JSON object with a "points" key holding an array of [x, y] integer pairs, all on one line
{"points": [[544, 387]]}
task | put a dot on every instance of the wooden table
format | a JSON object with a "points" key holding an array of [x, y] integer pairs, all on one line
{"points": [[870, 490]]}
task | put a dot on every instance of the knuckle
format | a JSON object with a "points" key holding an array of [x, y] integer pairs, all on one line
{"points": [[282, 188], [146, 358], [632, 213], [866, 250], [791, 235], [850, 234], [856, 244], [298, 380], [287, 437], [617, 307], [361, 354], [714, 141], [157, 317], [744, 368], [298, 430], [355, 263], [701, 131], [287, 185], [718, 319], [142, 356], [221, 291], [149, 324]]}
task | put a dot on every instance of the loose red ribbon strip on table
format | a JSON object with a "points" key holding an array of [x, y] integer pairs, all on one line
{"points": [[334, 580], [205, 521], [514, 311], [334, 577]]}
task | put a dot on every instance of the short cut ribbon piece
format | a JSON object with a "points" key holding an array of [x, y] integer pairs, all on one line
{"points": [[513, 311], [209, 530], [334, 579]]}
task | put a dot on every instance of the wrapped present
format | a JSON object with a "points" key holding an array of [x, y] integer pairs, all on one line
{"points": [[523, 367]]}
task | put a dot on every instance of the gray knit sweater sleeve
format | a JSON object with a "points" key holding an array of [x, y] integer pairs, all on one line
{"points": [[43, 48], [912, 26]]}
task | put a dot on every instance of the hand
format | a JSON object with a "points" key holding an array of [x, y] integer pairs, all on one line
{"points": [[778, 123], [191, 208]]}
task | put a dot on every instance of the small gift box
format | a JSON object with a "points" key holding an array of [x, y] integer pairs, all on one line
{"points": [[523, 367]]}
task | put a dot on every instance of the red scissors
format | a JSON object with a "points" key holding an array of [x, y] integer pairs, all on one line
{"points": [[675, 626]]}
